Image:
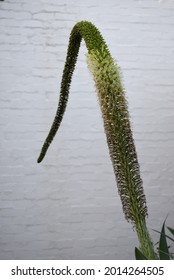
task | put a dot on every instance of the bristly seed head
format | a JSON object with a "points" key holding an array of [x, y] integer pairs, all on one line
{"points": [[115, 115]]}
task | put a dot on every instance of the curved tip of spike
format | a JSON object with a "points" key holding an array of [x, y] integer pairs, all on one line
{"points": [[43, 152], [40, 158]]}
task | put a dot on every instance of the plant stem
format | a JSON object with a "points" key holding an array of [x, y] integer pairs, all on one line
{"points": [[146, 245]]}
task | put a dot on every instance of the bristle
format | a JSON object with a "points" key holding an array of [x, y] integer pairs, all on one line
{"points": [[118, 132], [116, 119], [114, 111]]}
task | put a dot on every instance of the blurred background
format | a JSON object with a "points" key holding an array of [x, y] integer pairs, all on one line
{"points": [[68, 206]]}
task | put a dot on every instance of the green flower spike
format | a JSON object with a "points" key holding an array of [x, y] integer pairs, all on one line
{"points": [[116, 123]]}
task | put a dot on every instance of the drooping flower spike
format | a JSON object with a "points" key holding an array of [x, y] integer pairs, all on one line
{"points": [[115, 115]]}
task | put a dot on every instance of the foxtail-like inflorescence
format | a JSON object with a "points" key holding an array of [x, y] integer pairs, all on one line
{"points": [[116, 123]]}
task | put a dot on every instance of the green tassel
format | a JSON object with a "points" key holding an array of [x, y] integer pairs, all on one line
{"points": [[116, 123]]}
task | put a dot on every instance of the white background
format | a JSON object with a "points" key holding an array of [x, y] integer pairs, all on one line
{"points": [[68, 206], [88, 269]]}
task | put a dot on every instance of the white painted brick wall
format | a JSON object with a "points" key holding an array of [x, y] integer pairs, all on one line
{"points": [[68, 207]]}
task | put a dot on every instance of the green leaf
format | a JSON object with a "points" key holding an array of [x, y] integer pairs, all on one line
{"points": [[139, 255], [163, 247], [171, 230], [165, 235]]}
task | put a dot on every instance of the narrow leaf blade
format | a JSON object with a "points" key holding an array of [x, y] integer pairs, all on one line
{"points": [[165, 235], [139, 255], [171, 230], [163, 248]]}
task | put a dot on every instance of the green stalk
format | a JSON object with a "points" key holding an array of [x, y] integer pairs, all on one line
{"points": [[116, 123]]}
